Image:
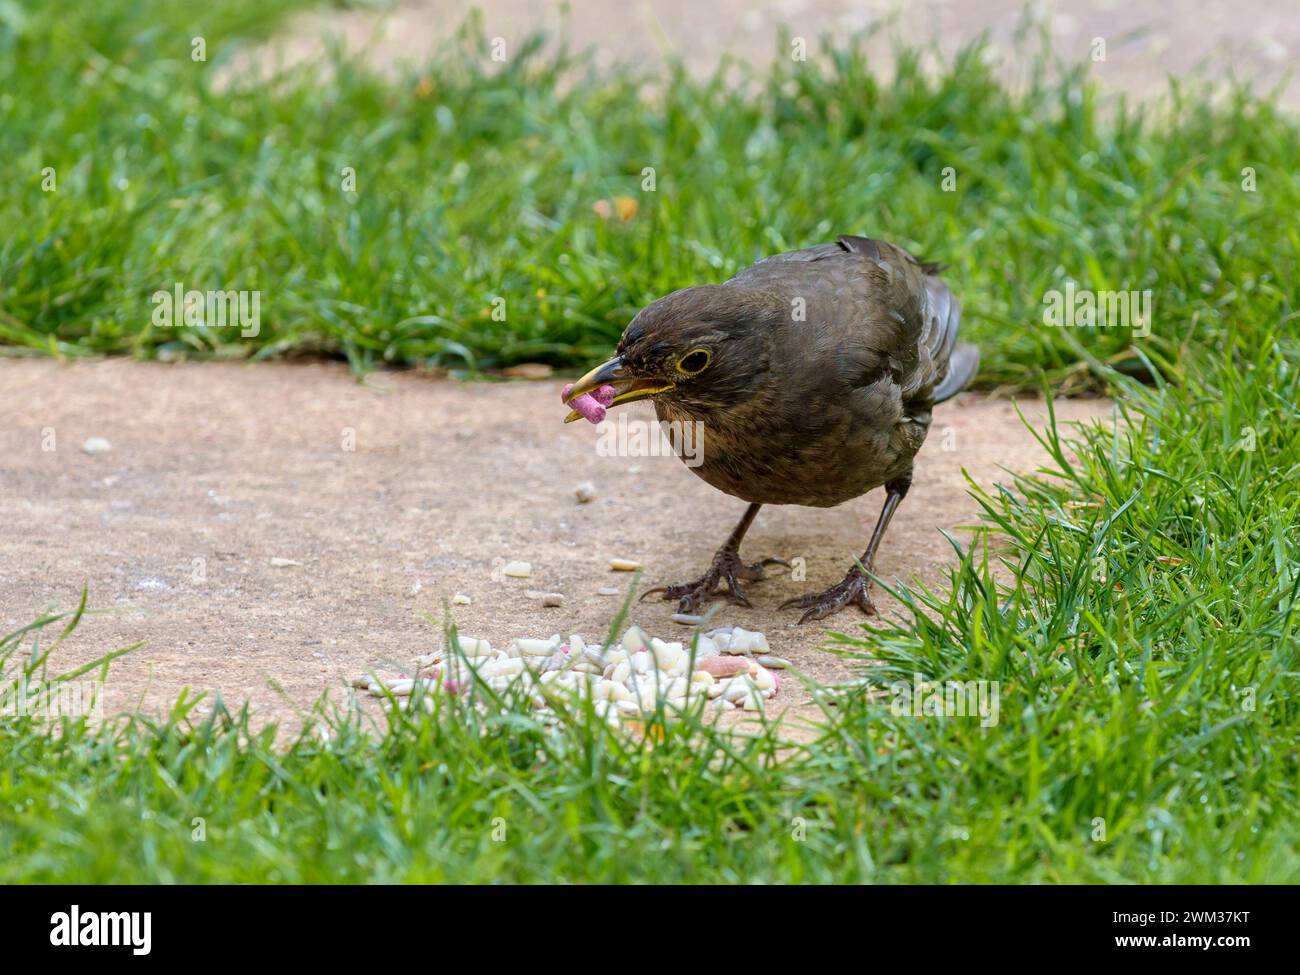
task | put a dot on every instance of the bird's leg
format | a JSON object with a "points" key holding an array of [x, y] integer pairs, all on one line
{"points": [[853, 589], [726, 568]]}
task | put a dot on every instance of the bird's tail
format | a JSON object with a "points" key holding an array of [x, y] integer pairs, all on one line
{"points": [[962, 366]]}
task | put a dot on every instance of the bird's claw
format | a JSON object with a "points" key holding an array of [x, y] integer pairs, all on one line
{"points": [[726, 569], [852, 589]]}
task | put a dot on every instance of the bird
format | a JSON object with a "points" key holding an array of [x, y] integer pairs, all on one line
{"points": [[809, 378]]}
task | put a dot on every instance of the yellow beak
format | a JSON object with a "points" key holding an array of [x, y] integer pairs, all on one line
{"points": [[626, 389]]}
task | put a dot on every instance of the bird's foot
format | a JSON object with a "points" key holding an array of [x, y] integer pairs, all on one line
{"points": [[726, 568], [819, 605]]}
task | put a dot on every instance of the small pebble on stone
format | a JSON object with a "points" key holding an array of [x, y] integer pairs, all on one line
{"points": [[553, 599], [585, 492], [518, 570], [624, 565], [528, 370], [96, 445]]}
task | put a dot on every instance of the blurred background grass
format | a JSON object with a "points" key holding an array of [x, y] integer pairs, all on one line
{"points": [[477, 180]]}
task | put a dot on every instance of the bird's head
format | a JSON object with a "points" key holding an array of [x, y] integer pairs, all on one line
{"points": [[700, 349]]}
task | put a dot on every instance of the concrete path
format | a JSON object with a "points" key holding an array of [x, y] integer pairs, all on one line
{"points": [[387, 499], [1145, 40]]}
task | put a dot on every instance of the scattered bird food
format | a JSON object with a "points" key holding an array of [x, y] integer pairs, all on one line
{"points": [[585, 492], [630, 679], [624, 565], [96, 445], [518, 570]]}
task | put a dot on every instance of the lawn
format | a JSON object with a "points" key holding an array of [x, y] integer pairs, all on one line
{"points": [[1143, 633]]}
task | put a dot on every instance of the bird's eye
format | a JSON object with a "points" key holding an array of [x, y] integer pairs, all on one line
{"points": [[695, 361]]}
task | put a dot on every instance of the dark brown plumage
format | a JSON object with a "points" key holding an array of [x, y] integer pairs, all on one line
{"points": [[814, 373]]}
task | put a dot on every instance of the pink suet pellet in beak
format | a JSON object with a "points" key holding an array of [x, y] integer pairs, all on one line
{"points": [[591, 406]]}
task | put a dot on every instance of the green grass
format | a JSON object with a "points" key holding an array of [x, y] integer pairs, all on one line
{"points": [[474, 183], [1135, 600]]}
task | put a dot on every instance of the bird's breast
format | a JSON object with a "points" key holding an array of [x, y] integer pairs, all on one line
{"points": [[777, 456]]}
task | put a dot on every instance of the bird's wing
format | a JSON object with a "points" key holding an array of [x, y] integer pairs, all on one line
{"points": [[911, 312], [881, 311]]}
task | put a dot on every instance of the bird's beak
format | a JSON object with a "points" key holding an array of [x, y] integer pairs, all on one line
{"points": [[627, 389]]}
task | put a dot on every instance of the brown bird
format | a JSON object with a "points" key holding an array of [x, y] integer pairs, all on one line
{"points": [[812, 375]]}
